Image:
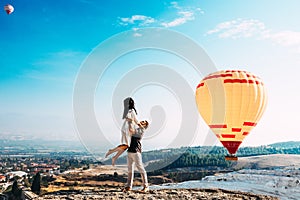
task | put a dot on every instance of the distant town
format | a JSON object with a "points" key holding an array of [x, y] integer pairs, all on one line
{"points": [[21, 160], [29, 168]]}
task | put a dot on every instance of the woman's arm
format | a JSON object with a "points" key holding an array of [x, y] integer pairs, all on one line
{"points": [[128, 119], [131, 117], [134, 118]]}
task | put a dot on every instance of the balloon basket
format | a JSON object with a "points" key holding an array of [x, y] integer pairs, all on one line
{"points": [[231, 158]]}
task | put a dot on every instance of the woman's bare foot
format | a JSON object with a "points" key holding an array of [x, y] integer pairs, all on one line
{"points": [[113, 161], [108, 153]]}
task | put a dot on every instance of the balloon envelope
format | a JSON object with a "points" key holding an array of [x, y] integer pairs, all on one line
{"points": [[9, 9], [231, 102]]}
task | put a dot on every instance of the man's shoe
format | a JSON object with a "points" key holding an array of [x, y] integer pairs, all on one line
{"points": [[126, 189], [145, 189]]}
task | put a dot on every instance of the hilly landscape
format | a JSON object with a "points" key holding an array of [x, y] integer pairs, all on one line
{"points": [[263, 172]]}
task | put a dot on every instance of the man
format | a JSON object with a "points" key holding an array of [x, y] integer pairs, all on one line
{"points": [[134, 157]]}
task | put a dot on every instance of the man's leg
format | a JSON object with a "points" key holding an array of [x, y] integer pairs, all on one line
{"points": [[140, 167], [130, 164]]}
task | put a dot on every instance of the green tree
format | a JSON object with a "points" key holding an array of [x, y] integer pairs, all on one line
{"points": [[16, 192], [36, 184], [15, 188]]}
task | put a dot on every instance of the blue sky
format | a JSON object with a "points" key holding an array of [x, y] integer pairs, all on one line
{"points": [[44, 43]]}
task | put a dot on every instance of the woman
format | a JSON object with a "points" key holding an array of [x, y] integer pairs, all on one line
{"points": [[128, 128], [129, 116]]}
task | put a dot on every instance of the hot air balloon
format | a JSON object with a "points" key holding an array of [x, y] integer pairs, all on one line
{"points": [[9, 9], [231, 102]]}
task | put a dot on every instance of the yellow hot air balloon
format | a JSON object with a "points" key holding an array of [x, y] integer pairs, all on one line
{"points": [[231, 102]]}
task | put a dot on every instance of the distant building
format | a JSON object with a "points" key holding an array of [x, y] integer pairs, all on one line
{"points": [[45, 169], [2, 178], [13, 174]]}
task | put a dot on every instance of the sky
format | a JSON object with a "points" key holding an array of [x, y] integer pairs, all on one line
{"points": [[44, 45]]}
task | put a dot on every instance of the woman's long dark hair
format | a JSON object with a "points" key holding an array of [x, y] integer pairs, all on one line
{"points": [[128, 104]]}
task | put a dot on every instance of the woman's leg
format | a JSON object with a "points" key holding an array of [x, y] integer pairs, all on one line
{"points": [[120, 151], [110, 151]]}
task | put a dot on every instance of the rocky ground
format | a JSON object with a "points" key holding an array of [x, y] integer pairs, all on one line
{"points": [[182, 194], [275, 175]]}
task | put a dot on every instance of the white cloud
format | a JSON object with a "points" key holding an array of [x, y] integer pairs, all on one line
{"points": [[185, 16], [242, 28], [174, 4], [200, 10], [239, 28], [285, 38], [137, 35], [137, 19], [182, 16], [136, 32]]}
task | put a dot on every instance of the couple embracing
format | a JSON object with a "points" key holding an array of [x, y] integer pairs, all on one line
{"points": [[132, 133]]}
